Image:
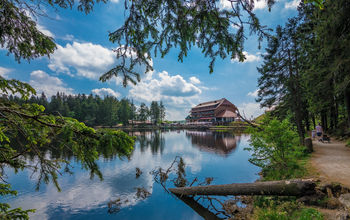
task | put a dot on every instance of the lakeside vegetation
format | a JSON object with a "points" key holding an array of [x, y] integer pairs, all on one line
{"points": [[277, 150]]}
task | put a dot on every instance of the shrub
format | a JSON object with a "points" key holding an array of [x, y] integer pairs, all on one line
{"points": [[275, 148]]}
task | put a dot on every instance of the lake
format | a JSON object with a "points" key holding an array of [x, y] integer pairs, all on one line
{"points": [[206, 154]]}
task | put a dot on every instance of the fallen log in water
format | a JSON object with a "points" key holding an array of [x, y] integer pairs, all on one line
{"points": [[198, 208], [297, 187]]}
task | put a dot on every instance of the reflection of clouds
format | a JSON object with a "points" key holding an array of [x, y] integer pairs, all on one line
{"points": [[81, 194]]}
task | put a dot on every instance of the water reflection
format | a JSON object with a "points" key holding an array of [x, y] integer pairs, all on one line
{"points": [[198, 208], [221, 143], [150, 139], [83, 198]]}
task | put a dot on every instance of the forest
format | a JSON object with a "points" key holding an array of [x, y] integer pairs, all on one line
{"points": [[94, 110], [305, 71]]}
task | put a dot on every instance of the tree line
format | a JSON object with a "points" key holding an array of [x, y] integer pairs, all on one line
{"points": [[305, 71], [96, 111]]}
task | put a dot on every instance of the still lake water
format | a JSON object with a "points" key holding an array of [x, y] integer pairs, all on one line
{"points": [[206, 154]]}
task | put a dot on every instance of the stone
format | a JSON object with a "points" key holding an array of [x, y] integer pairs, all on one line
{"points": [[345, 200]]}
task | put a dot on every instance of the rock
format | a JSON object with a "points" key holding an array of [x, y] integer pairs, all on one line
{"points": [[344, 199], [334, 203], [342, 215]]}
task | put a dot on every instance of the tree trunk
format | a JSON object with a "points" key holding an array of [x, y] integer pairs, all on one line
{"points": [[347, 104], [324, 120], [296, 100], [332, 117], [203, 212], [308, 145], [297, 187], [307, 120]]}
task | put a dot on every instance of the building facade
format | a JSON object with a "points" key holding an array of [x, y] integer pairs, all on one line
{"points": [[217, 111]]}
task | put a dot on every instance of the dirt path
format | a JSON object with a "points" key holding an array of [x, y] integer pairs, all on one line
{"points": [[332, 162]]}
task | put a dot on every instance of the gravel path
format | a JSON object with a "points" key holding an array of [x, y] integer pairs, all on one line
{"points": [[332, 161]]}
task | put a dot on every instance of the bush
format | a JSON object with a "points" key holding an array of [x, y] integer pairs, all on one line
{"points": [[269, 208], [276, 150]]}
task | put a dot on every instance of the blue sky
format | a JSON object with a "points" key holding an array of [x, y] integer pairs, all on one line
{"points": [[84, 53]]}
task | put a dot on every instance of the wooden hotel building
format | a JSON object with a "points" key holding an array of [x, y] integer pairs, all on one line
{"points": [[217, 111]]}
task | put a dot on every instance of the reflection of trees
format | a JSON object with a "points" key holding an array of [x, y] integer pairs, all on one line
{"points": [[59, 150], [150, 139], [221, 143]]}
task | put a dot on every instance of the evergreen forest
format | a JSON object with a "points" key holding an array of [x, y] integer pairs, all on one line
{"points": [[96, 111]]}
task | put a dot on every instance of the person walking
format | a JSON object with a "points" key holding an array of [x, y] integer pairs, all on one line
{"points": [[319, 130]]}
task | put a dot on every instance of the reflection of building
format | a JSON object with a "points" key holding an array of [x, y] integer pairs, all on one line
{"points": [[217, 142], [214, 111]]}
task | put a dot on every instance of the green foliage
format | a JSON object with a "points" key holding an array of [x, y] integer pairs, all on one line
{"points": [[274, 208], [19, 33], [306, 66], [154, 112], [275, 148], [26, 130], [92, 110], [5, 211], [154, 27]]}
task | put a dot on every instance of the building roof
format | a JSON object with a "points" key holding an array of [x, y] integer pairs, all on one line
{"points": [[211, 103]]}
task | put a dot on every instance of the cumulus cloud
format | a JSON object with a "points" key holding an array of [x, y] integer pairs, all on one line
{"points": [[176, 93], [45, 31], [292, 4], [194, 80], [105, 92], [253, 94], [4, 72], [50, 85], [83, 59], [164, 86], [115, 1], [248, 58], [251, 110]]}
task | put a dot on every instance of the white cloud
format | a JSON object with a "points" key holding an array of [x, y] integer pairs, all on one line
{"points": [[253, 94], [4, 72], [258, 4], [115, 1], [45, 31], [250, 110], [68, 37], [248, 58], [50, 85], [176, 93], [83, 59], [225, 4], [105, 92], [292, 4], [194, 80]]}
